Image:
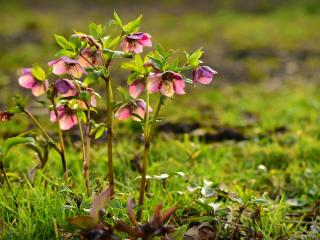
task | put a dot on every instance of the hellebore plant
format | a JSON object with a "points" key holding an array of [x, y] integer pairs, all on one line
{"points": [[161, 73], [67, 88]]}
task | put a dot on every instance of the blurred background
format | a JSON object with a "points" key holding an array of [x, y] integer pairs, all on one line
{"points": [[246, 41]]}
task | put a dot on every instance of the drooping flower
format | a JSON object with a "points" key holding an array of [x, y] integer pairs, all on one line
{"points": [[135, 42], [65, 87], [203, 75], [166, 83], [136, 88], [67, 117], [131, 109], [65, 65], [27, 80], [92, 55], [92, 101], [5, 116]]}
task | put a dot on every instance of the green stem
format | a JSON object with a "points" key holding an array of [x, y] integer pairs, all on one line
{"points": [[61, 141], [84, 157], [109, 132], [148, 134], [8, 182], [45, 134], [88, 146]]}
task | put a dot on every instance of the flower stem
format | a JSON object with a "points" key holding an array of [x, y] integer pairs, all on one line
{"points": [[109, 133], [61, 141], [8, 182], [84, 157], [148, 134], [45, 134]]}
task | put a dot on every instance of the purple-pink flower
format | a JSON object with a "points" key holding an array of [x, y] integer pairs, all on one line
{"points": [[89, 57], [135, 42], [66, 116], [65, 65], [203, 75], [167, 83], [65, 87], [5, 116], [132, 108], [136, 88], [27, 80]]}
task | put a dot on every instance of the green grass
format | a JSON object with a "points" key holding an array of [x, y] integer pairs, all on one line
{"points": [[280, 168]]}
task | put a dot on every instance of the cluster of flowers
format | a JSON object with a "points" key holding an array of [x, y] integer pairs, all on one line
{"points": [[84, 60]]}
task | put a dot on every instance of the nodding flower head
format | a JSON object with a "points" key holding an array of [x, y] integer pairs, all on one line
{"points": [[167, 83], [27, 80], [67, 117], [132, 109], [203, 75], [135, 42], [65, 65], [90, 57], [136, 88], [5, 116], [65, 87]]}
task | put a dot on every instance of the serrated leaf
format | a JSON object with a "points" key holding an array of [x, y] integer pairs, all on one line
{"points": [[65, 52], [62, 41], [38, 72], [117, 18], [99, 133], [133, 26], [95, 30]]}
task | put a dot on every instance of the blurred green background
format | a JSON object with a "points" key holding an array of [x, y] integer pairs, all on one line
{"points": [[245, 41]]}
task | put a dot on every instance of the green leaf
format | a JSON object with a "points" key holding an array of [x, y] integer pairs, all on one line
{"points": [[38, 72], [14, 141], [95, 30], [117, 18], [179, 233], [62, 41], [99, 133], [65, 52], [133, 26], [194, 58]]}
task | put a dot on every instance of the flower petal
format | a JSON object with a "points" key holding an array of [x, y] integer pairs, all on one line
{"points": [[68, 121], [123, 112], [167, 88], [154, 83], [40, 88], [27, 81], [59, 67], [136, 88], [179, 86]]}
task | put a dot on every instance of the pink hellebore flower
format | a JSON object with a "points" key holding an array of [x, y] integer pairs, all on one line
{"points": [[67, 117], [136, 88], [92, 55], [92, 101], [67, 65], [130, 109], [203, 75], [135, 42], [27, 80], [166, 83], [65, 87]]}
